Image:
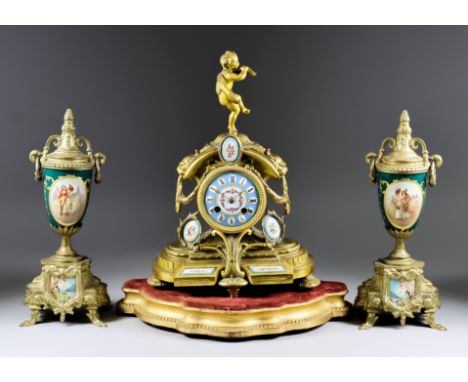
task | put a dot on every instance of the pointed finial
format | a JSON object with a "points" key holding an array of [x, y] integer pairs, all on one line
{"points": [[404, 127], [404, 117], [68, 115], [68, 121]]}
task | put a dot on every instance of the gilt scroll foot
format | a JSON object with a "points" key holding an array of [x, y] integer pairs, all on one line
{"points": [[156, 282], [370, 321], [95, 319], [35, 317], [430, 319], [309, 282]]}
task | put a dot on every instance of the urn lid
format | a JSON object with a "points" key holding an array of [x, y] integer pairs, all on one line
{"points": [[68, 154], [403, 158]]}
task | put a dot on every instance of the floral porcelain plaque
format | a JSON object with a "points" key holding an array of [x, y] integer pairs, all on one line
{"points": [[230, 150], [192, 231], [271, 228]]}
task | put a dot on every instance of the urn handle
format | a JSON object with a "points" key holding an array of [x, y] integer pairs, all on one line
{"points": [[79, 143], [436, 162], [100, 159], [370, 160], [415, 143], [35, 157]]}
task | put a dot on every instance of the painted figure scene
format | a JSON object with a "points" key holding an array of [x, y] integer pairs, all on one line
{"points": [[401, 290], [63, 288], [403, 204], [67, 201]]}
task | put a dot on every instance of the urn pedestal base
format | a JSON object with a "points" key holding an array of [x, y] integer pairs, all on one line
{"points": [[263, 310], [399, 288], [66, 284]]}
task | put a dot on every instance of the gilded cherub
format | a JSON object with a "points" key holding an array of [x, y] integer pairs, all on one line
{"points": [[232, 72]]}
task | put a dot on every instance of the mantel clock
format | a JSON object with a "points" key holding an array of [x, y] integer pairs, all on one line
{"points": [[244, 243], [234, 239]]}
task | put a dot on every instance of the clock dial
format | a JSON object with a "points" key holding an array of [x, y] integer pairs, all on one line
{"points": [[231, 200]]}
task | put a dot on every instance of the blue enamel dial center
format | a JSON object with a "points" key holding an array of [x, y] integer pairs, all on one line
{"points": [[231, 199]]}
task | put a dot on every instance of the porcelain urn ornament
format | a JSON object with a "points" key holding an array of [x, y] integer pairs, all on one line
{"points": [[399, 286], [66, 173]]}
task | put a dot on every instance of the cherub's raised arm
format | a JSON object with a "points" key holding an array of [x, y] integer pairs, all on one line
{"points": [[243, 71]]}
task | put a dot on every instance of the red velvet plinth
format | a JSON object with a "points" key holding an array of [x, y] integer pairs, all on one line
{"points": [[258, 311], [264, 298]]}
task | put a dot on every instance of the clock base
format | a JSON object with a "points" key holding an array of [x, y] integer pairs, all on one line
{"points": [[263, 311], [184, 266]]}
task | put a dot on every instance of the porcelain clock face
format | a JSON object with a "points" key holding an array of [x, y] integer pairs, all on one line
{"points": [[231, 200]]}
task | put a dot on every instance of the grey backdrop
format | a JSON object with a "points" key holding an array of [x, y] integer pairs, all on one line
{"points": [[324, 97]]}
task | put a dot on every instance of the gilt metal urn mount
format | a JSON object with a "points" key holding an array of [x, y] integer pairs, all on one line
{"points": [[66, 282], [398, 286]]}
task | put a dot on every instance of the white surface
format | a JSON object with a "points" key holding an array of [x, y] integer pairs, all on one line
{"points": [[128, 336]]}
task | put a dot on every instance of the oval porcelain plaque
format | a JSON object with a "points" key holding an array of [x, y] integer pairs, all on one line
{"points": [[68, 197], [271, 228], [192, 231], [403, 202], [230, 150]]}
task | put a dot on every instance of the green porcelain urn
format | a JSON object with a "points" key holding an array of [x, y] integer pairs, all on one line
{"points": [[399, 286], [66, 283]]}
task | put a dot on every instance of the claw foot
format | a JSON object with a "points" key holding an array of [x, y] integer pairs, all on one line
{"points": [[35, 317], [430, 319], [370, 321], [95, 319], [155, 282], [310, 281]]}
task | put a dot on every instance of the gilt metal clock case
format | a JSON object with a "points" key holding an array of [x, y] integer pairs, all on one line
{"points": [[236, 242], [233, 237]]}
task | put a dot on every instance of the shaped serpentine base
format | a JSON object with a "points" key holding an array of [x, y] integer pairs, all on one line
{"points": [[259, 311]]}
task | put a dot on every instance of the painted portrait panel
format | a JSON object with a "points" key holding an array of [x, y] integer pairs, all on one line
{"points": [[67, 200], [401, 290], [403, 203], [63, 288]]}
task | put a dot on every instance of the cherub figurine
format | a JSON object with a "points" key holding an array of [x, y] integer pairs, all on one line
{"points": [[232, 72]]}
